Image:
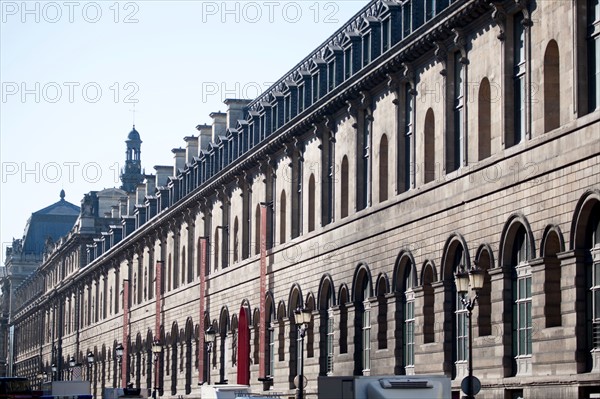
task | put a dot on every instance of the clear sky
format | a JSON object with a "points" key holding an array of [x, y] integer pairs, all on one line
{"points": [[71, 72]]}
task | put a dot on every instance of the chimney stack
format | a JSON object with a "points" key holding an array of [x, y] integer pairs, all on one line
{"points": [[150, 184], [162, 175], [205, 135], [219, 125], [140, 191], [191, 148], [235, 110], [179, 155]]}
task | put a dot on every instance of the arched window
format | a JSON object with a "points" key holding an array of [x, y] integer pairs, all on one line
{"points": [[327, 335], [382, 319], [223, 345], [169, 275], [522, 325], [552, 277], [405, 141], [282, 217], [343, 341], [484, 122], [270, 344], [383, 169], [236, 240], [362, 323], [551, 87], [592, 253], [462, 317], [429, 147], [428, 279], [344, 188], [311, 203], [257, 230], [519, 71], [409, 317], [216, 249]]}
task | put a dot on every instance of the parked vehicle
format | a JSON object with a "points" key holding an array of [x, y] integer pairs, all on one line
{"points": [[16, 388]]}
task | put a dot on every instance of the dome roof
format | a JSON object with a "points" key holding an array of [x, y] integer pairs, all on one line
{"points": [[134, 135]]}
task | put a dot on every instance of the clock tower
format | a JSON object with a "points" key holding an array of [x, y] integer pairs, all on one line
{"points": [[131, 174]]}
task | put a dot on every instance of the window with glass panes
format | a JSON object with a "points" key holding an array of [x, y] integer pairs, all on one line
{"points": [[366, 336], [330, 340], [522, 293], [519, 78], [593, 44], [462, 328], [409, 328], [594, 281], [271, 346], [458, 112]]}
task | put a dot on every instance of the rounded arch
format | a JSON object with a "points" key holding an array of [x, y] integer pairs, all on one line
{"points": [[295, 299], [383, 168], [484, 125], [282, 216], [429, 147], [362, 275], [551, 74], [428, 273], [343, 295], [281, 310], [246, 305], [482, 251], [189, 329], [404, 261], [174, 333], [138, 343], [484, 259], [509, 232], [236, 240], [311, 203], [382, 285], [149, 339], [224, 320], [310, 302], [453, 242], [270, 304], [344, 187], [552, 242], [326, 288], [581, 217]]}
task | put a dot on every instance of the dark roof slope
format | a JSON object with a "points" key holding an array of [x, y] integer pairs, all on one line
{"points": [[53, 221]]}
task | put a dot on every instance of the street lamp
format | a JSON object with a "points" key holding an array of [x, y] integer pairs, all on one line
{"points": [[119, 353], [90, 360], [71, 365], [54, 370], [302, 318], [209, 338], [463, 279], [156, 350]]}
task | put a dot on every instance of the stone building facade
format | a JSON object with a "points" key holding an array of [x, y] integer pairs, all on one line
{"points": [[422, 137]]}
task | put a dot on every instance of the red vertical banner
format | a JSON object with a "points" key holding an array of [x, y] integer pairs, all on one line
{"points": [[243, 350], [125, 358], [202, 259], [263, 292]]}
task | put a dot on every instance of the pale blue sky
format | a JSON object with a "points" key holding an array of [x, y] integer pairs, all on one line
{"points": [[69, 79]]}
